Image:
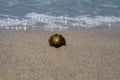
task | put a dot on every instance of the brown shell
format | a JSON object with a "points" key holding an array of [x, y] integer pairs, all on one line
{"points": [[57, 40]]}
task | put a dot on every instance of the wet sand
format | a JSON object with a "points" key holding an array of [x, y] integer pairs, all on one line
{"points": [[88, 55]]}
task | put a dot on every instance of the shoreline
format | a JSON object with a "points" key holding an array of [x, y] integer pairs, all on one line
{"points": [[88, 55]]}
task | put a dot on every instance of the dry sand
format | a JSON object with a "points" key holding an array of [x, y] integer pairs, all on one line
{"points": [[89, 55]]}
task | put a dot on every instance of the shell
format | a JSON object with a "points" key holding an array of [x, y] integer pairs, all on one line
{"points": [[57, 40]]}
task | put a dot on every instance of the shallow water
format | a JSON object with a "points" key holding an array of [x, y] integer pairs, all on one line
{"points": [[59, 14]]}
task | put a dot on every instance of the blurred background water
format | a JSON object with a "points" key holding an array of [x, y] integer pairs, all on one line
{"points": [[59, 14]]}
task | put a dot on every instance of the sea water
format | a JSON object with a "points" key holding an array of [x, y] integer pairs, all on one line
{"points": [[52, 15]]}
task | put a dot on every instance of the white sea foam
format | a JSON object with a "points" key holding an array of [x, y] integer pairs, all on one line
{"points": [[15, 24], [47, 22]]}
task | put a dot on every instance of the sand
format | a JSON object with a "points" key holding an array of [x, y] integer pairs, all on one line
{"points": [[88, 55]]}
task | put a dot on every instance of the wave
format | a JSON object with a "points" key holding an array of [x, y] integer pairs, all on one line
{"points": [[47, 22]]}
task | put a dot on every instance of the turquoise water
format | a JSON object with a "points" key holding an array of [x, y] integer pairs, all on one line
{"points": [[59, 14]]}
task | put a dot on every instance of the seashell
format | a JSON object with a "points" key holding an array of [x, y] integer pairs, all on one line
{"points": [[57, 40]]}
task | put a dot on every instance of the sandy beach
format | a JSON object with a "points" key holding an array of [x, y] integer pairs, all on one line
{"points": [[88, 55]]}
